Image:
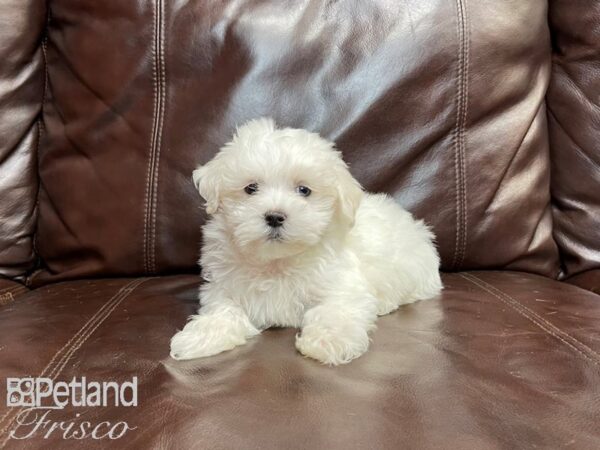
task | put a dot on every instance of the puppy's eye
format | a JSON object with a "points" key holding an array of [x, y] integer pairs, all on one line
{"points": [[303, 191], [252, 188]]}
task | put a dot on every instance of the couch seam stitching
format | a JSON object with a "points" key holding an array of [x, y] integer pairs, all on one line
{"points": [[151, 156], [466, 36], [458, 135], [455, 139], [105, 314], [161, 66], [149, 165], [92, 323], [531, 315], [547, 322]]}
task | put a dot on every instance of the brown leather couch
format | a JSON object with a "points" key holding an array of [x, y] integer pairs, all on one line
{"points": [[482, 117]]}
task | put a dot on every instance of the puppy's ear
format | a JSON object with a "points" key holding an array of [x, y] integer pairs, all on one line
{"points": [[207, 182], [350, 192]]}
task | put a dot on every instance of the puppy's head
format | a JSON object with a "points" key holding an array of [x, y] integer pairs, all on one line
{"points": [[279, 191]]}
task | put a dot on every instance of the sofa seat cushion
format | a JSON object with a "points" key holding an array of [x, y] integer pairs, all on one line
{"points": [[499, 360]]}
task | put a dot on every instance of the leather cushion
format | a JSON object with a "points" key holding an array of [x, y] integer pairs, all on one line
{"points": [[574, 118], [22, 76], [440, 104], [498, 360]]}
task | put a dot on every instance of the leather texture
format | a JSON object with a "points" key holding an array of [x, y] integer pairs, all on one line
{"points": [[412, 94], [574, 119], [441, 103], [499, 360], [589, 280], [9, 291], [22, 24]]}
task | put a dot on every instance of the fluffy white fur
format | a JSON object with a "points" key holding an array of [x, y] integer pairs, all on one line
{"points": [[341, 258]]}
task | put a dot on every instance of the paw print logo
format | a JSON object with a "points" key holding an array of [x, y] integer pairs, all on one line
{"points": [[20, 392]]}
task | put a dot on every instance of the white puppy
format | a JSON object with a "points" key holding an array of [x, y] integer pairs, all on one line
{"points": [[293, 241]]}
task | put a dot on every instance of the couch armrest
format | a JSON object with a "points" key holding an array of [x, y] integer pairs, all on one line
{"points": [[10, 290], [589, 280]]}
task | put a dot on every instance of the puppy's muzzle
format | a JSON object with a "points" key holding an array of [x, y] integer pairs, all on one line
{"points": [[275, 219]]}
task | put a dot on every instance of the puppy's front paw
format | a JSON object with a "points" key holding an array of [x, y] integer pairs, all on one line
{"points": [[209, 335], [331, 345]]}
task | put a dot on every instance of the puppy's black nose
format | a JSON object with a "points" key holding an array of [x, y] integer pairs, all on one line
{"points": [[274, 219]]}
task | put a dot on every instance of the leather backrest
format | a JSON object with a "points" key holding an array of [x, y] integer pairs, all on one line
{"points": [[440, 104], [574, 119], [22, 23]]}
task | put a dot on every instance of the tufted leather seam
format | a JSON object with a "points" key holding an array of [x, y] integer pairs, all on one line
{"points": [[74, 344], [458, 135], [571, 342], [150, 201]]}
